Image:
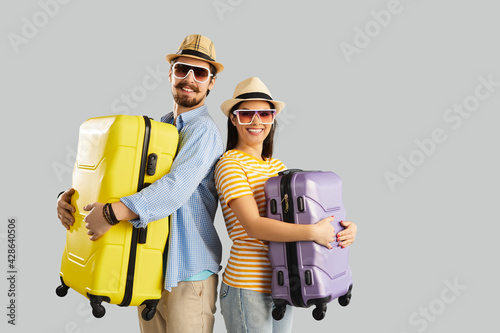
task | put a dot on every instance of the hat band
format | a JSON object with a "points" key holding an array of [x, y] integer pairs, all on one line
{"points": [[254, 95], [196, 54]]}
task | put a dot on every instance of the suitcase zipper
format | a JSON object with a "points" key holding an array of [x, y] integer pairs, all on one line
{"points": [[129, 285], [291, 247], [285, 199]]}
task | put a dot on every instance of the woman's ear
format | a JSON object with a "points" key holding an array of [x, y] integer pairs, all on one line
{"points": [[233, 119]]}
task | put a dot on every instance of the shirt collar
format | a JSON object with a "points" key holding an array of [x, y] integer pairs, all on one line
{"points": [[185, 117]]}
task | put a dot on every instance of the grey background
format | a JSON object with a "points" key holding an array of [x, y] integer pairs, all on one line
{"points": [[357, 118]]}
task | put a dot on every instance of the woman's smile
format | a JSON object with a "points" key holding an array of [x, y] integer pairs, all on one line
{"points": [[255, 131]]}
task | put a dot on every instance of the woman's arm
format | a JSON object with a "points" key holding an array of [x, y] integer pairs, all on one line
{"points": [[247, 212]]}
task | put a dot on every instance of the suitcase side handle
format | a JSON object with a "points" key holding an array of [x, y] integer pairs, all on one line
{"points": [[289, 171]]}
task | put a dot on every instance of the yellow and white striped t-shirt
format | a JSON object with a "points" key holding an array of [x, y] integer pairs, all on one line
{"points": [[238, 174]]}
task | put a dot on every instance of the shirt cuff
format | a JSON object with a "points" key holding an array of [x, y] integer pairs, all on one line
{"points": [[133, 202]]}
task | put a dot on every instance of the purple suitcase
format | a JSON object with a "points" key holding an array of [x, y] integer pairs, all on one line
{"points": [[306, 273]]}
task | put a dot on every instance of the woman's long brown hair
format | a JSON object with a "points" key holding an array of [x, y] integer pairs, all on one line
{"points": [[232, 134]]}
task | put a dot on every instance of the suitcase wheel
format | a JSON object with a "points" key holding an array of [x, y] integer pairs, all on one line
{"points": [[346, 299], [279, 312], [148, 313], [62, 290], [319, 312], [98, 310]]}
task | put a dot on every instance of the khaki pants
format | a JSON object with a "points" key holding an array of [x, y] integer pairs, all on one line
{"points": [[188, 308]]}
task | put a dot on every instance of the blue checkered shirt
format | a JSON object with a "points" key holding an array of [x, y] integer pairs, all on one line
{"points": [[188, 194]]}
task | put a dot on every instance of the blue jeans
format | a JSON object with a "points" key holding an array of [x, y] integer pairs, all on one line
{"points": [[248, 311]]}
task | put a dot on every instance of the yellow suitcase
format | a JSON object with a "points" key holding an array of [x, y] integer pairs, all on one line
{"points": [[118, 156]]}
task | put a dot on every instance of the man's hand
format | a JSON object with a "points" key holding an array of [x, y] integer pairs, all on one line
{"points": [[347, 236], [65, 210], [95, 221]]}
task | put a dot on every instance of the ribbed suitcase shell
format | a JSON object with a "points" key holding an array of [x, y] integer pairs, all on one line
{"points": [[111, 163], [306, 273]]}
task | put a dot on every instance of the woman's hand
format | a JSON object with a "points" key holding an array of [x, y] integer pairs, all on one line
{"points": [[346, 237], [65, 210], [324, 232]]}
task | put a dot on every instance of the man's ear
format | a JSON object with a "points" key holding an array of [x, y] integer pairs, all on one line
{"points": [[212, 83]]}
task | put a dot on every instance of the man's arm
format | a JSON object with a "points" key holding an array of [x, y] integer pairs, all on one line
{"points": [[201, 149]]}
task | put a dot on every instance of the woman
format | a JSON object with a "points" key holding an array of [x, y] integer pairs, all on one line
{"points": [[240, 174]]}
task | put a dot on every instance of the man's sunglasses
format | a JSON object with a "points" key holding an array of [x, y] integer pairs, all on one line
{"points": [[181, 71], [245, 117]]}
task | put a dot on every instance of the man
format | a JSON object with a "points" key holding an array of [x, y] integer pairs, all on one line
{"points": [[187, 193]]}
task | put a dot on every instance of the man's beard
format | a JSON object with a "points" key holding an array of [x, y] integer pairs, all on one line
{"points": [[186, 101]]}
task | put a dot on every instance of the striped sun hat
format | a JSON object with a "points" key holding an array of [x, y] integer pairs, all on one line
{"points": [[251, 89]]}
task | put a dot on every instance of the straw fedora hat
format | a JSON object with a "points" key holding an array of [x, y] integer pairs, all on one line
{"points": [[251, 89], [197, 47]]}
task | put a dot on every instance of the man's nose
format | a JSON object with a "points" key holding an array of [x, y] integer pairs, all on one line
{"points": [[190, 76]]}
